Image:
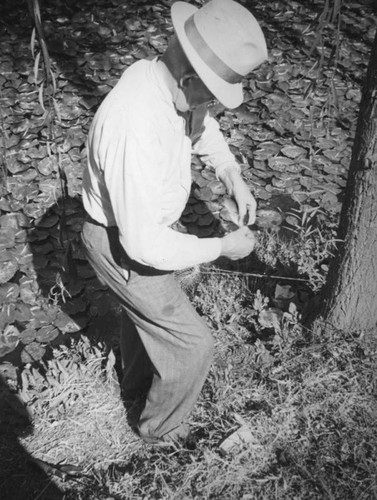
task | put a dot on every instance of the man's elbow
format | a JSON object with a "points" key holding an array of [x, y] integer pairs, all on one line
{"points": [[146, 255]]}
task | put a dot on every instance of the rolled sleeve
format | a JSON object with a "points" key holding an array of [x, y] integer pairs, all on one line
{"points": [[213, 148]]}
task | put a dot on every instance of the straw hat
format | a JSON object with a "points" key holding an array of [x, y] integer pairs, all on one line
{"points": [[223, 42]]}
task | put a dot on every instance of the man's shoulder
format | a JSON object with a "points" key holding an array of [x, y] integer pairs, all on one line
{"points": [[137, 91], [138, 82], [138, 70], [137, 105]]}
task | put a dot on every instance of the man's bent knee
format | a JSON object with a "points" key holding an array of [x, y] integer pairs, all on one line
{"points": [[204, 350]]}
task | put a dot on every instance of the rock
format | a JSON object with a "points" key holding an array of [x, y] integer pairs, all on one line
{"points": [[240, 438]]}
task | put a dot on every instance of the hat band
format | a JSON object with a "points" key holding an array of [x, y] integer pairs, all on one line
{"points": [[208, 56]]}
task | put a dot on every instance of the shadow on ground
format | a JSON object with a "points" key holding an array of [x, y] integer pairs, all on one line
{"points": [[55, 299], [20, 476]]}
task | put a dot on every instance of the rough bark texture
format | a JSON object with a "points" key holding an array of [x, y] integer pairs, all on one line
{"points": [[351, 293]]}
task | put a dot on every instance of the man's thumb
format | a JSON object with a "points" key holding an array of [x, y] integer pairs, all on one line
{"points": [[243, 216]]}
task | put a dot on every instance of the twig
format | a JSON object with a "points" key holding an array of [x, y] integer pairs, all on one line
{"points": [[3, 152], [35, 13]]}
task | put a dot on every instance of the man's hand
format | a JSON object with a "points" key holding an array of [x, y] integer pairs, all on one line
{"points": [[238, 244], [238, 189]]}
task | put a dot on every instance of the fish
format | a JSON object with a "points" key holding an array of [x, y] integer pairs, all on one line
{"points": [[266, 218]]}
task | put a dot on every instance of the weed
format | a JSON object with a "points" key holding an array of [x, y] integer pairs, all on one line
{"points": [[307, 250], [300, 251], [221, 298], [58, 292]]}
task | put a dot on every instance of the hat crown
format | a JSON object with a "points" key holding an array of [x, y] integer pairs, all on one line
{"points": [[231, 33], [223, 42]]}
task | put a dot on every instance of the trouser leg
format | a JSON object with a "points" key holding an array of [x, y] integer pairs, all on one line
{"points": [[136, 365], [175, 338], [180, 347]]}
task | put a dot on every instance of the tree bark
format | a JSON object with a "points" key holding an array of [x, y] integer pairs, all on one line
{"points": [[351, 292]]}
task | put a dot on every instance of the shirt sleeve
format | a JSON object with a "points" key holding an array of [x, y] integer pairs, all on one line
{"points": [[135, 184], [213, 148]]}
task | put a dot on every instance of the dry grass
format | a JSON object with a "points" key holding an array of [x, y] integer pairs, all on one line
{"points": [[308, 398], [83, 408]]}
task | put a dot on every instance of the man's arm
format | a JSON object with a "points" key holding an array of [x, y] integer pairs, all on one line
{"points": [[134, 178], [215, 152]]}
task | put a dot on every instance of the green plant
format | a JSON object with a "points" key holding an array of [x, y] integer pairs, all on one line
{"points": [[220, 296], [308, 249]]}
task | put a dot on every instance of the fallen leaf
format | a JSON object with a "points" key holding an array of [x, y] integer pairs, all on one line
{"points": [[32, 352], [7, 270]]}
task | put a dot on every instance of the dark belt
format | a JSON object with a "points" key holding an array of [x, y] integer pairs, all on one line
{"points": [[120, 255], [90, 219]]}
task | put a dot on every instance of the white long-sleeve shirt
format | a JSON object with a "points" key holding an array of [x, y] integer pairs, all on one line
{"points": [[138, 175]]}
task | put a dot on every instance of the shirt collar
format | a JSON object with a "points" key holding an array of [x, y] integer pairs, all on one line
{"points": [[160, 83]]}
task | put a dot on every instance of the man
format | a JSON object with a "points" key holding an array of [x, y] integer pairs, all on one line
{"points": [[136, 186]]}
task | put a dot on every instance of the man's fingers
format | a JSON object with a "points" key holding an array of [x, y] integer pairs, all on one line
{"points": [[247, 206]]}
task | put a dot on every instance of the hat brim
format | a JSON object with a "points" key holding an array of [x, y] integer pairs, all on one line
{"points": [[230, 95]]}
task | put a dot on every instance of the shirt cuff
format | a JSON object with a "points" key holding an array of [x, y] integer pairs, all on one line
{"points": [[211, 249]]}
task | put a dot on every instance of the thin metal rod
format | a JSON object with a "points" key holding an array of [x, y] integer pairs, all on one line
{"points": [[254, 275]]}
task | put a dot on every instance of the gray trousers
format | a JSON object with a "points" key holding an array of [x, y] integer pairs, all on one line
{"points": [[162, 339]]}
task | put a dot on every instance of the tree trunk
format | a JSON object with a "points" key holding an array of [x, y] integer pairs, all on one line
{"points": [[351, 291]]}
